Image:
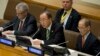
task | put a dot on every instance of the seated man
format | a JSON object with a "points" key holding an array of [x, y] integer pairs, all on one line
{"points": [[87, 42], [50, 32], [22, 24]]}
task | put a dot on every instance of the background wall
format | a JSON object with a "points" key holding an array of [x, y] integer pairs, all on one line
{"points": [[3, 4], [96, 2]]}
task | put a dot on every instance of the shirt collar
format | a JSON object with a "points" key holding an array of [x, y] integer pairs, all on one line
{"points": [[23, 19], [85, 37], [68, 11], [49, 28]]}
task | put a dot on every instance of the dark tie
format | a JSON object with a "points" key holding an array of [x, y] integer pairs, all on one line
{"points": [[83, 41], [20, 25], [64, 13], [47, 34]]}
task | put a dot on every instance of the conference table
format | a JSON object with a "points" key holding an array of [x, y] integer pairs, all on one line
{"points": [[6, 50], [13, 51], [18, 51]]}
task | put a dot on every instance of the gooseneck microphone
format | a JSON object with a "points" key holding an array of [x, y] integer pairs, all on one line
{"points": [[98, 54], [56, 48], [63, 43], [8, 26], [35, 33]]}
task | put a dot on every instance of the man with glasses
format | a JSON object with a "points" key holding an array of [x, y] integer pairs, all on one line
{"points": [[50, 32], [22, 24], [87, 42]]}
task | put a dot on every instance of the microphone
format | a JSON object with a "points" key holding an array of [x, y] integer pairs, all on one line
{"points": [[65, 50], [58, 45], [35, 33], [63, 43], [98, 54], [8, 26], [59, 49]]}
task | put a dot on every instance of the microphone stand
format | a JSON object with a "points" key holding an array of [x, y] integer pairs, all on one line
{"points": [[98, 54], [35, 33]]}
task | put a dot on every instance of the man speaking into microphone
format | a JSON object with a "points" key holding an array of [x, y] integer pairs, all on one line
{"points": [[22, 24], [50, 32]]}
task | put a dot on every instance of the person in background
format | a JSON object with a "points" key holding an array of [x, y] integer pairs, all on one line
{"points": [[87, 42], [22, 24], [67, 16]]}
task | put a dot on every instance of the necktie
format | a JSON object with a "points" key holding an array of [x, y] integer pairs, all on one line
{"points": [[64, 13], [20, 25], [63, 17], [83, 41], [47, 34]]}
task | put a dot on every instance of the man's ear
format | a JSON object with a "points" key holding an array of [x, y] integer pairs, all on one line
{"points": [[89, 27]]}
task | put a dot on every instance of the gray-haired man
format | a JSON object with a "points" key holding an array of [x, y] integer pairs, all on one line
{"points": [[22, 24]]}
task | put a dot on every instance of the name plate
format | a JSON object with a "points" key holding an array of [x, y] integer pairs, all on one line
{"points": [[35, 50], [7, 42]]}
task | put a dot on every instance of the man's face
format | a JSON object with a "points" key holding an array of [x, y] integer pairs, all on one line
{"points": [[21, 14], [67, 4], [44, 20], [83, 29]]}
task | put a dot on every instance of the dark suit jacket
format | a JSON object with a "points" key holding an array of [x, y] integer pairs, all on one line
{"points": [[73, 19], [29, 26], [56, 35], [91, 46]]}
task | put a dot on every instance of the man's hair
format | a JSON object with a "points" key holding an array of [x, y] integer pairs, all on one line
{"points": [[71, 0], [22, 6], [87, 22], [49, 15]]}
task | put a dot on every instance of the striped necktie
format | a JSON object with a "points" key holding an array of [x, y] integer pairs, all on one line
{"points": [[20, 25], [47, 34], [83, 42]]}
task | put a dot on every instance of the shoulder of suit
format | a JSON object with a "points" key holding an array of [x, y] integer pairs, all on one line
{"points": [[75, 11], [93, 37], [57, 25], [32, 17], [15, 18], [60, 10]]}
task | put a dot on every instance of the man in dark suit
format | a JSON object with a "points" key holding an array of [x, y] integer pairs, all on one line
{"points": [[68, 16], [22, 24], [50, 32], [87, 42]]}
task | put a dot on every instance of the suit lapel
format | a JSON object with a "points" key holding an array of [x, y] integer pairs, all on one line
{"points": [[16, 24], [51, 31], [69, 20], [80, 42], [26, 20], [87, 42], [60, 14], [43, 34], [51, 34]]}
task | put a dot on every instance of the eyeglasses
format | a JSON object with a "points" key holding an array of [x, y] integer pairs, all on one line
{"points": [[82, 28]]}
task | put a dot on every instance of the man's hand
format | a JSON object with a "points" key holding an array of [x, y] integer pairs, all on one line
{"points": [[1, 28], [8, 32], [37, 42]]}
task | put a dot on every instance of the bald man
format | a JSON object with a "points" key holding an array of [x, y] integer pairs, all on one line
{"points": [[87, 42]]}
